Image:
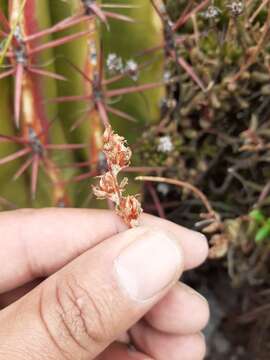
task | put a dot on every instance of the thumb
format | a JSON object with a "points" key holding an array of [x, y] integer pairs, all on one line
{"points": [[79, 311]]}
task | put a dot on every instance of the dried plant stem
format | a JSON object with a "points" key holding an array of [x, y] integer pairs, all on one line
{"points": [[258, 10], [260, 43], [181, 184], [183, 19], [157, 202]]}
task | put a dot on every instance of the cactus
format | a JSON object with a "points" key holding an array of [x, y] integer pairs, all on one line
{"points": [[51, 134]]}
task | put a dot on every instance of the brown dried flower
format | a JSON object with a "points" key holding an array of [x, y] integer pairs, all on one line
{"points": [[118, 156], [219, 246], [129, 209], [106, 188], [117, 152]]}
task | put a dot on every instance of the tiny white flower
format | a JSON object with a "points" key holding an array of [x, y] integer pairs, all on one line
{"points": [[132, 68], [132, 65], [165, 144], [114, 63], [211, 12], [236, 7], [163, 189]]}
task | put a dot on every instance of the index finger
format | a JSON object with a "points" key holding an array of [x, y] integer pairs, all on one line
{"points": [[36, 243]]}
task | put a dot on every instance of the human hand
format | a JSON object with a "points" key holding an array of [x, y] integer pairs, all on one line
{"points": [[73, 282]]}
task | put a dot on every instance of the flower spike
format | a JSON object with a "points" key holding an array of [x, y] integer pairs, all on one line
{"points": [[118, 156]]}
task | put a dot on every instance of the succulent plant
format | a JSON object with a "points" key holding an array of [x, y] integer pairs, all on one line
{"points": [[216, 115]]}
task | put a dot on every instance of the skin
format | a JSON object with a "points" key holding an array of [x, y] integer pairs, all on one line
{"points": [[52, 258]]}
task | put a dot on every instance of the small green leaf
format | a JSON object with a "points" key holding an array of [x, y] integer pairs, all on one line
{"points": [[263, 233], [257, 216]]}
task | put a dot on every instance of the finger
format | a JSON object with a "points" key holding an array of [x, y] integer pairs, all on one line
{"points": [[40, 242], [79, 311], [13, 295], [162, 346], [182, 311], [122, 352], [194, 244]]}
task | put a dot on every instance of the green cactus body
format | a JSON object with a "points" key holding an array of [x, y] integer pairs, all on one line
{"points": [[58, 50]]}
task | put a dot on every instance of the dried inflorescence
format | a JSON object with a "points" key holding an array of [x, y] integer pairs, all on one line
{"points": [[118, 156]]}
